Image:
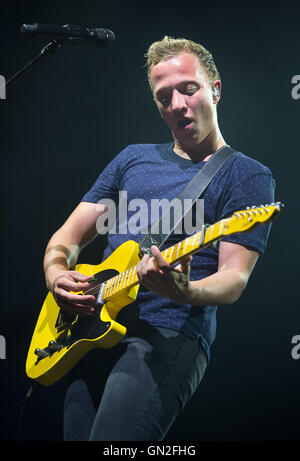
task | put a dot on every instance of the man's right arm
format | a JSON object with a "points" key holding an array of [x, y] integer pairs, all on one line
{"points": [[61, 254]]}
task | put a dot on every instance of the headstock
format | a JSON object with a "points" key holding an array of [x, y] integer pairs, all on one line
{"points": [[246, 220]]}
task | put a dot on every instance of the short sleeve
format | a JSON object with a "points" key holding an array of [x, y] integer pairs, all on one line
{"points": [[256, 190], [107, 184]]}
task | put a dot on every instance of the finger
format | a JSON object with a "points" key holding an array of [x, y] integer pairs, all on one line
{"points": [[161, 263], [140, 269], [184, 264], [73, 303], [71, 299], [79, 277], [69, 285], [145, 266], [69, 281], [77, 310]]}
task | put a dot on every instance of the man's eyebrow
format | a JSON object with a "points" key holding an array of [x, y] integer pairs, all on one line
{"points": [[165, 89]]}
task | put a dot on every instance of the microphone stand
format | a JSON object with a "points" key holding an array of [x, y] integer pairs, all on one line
{"points": [[44, 52]]}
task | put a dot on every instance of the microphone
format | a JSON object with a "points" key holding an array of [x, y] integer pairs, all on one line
{"points": [[70, 34]]}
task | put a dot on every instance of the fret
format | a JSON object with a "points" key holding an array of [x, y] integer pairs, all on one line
{"points": [[211, 230], [167, 254], [132, 275], [178, 248], [122, 279], [109, 286], [128, 272], [115, 282], [136, 279], [112, 285], [186, 242], [170, 258], [106, 288], [127, 279], [220, 227], [191, 243], [195, 238]]}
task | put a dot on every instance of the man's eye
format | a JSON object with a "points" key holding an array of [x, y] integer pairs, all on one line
{"points": [[190, 91], [165, 99]]}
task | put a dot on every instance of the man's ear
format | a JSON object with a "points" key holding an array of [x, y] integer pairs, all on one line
{"points": [[216, 91]]}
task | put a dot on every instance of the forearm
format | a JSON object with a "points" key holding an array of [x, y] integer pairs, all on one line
{"points": [[61, 254], [66, 244], [224, 287]]}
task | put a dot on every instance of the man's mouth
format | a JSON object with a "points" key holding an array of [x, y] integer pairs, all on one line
{"points": [[184, 122]]}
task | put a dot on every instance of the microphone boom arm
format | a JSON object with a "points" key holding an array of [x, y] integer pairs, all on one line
{"points": [[55, 44]]}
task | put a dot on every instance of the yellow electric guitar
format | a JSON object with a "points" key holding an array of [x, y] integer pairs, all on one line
{"points": [[60, 340]]}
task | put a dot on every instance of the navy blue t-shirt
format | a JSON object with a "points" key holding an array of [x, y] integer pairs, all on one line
{"points": [[154, 171]]}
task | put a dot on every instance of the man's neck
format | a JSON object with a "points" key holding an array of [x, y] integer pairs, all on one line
{"points": [[200, 152]]}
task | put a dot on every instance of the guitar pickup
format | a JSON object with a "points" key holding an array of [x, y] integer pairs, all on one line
{"points": [[99, 302], [64, 320]]}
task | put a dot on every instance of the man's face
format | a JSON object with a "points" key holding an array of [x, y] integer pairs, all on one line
{"points": [[184, 98]]}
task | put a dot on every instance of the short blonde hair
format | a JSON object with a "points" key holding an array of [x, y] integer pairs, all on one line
{"points": [[169, 47]]}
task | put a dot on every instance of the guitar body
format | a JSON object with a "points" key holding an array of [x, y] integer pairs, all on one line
{"points": [[64, 339]]}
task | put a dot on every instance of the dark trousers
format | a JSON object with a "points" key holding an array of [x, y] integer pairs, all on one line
{"points": [[155, 373]]}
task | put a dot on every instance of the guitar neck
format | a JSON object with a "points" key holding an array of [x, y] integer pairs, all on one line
{"points": [[172, 256], [193, 243]]}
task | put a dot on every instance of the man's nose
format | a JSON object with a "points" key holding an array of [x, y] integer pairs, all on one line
{"points": [[178, 101]]}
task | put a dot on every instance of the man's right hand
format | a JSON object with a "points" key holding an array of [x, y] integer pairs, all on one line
{"points": [[62, 253], [67, 282]]}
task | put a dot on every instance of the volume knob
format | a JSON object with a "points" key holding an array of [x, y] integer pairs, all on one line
{"points": [[52, 345], [41, 353]]}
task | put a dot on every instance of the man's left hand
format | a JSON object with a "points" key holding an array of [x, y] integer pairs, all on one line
{"points": [[166, 281]]}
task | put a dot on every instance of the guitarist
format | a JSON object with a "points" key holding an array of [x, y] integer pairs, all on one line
{"points": [[154, 371]]}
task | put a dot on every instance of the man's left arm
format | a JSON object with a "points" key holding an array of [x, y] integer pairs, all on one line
{"points": [[225, 286], [236, 263]]}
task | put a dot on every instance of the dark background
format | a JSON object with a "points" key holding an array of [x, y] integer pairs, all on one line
{"points": [[73, 112]]}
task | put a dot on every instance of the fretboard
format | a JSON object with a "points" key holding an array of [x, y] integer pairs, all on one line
{"points": [[172, 255]]}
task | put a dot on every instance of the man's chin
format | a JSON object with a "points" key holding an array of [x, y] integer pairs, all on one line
{"points": [[188, 139]]}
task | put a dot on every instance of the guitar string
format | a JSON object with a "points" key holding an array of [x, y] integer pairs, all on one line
{"points": [[212, 228], [178, 245]]}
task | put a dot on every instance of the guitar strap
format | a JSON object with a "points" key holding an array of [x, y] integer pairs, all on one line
{"points": [[192, 191]]}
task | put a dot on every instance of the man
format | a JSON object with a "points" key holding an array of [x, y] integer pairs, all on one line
{"points": [[172, 324]]}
